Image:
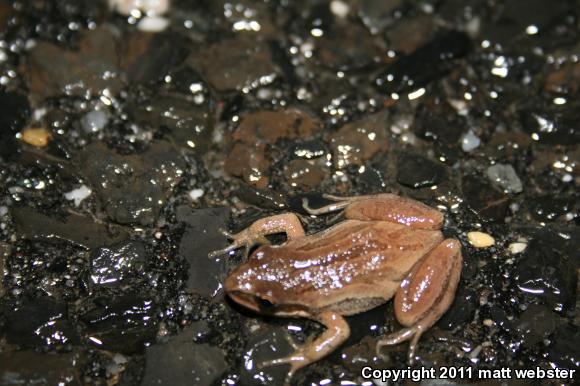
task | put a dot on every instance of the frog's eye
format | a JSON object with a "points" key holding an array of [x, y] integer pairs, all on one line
{"points": [[265, 304]]}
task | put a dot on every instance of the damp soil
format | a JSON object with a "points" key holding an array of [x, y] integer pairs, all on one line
{"points": [[124, 153]]}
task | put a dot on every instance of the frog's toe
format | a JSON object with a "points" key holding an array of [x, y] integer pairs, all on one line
{"points": [[219, 252], [296, 362], [226, 234], [410, 333]]}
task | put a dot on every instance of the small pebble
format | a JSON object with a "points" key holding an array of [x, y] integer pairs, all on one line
{"points": [[480, 239], [470, 141], [488, 322], [517, 248], [78, 195], [505, 176], [148, 7], [38, 137], [339, 8], [153, 24], [94, 121], [196, 193]]}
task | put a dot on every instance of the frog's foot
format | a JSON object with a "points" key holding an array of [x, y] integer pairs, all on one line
{"points": [[410, 333], [296, 362], [336, 332], [243, 239]]}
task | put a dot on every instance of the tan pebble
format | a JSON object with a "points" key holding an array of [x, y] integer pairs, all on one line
{"points": [[38, 137], [480, 239], [517, 247]]}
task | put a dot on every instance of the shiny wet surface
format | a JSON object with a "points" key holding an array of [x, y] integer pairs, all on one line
{"points": [[125, 146]]}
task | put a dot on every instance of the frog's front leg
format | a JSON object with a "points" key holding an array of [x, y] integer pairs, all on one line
{"points": [[255, 234], [337, 331], [383, 207], [425, 294]]}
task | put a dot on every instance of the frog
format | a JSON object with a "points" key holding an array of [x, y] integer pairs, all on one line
{"points": [[386, 247]]}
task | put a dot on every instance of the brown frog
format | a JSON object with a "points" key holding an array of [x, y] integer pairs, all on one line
{"points": [[387, 246]]}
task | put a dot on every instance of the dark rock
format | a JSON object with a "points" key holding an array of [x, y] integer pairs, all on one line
{"points": [[550, 208], [500, 318], [438, 122], [14, 112], [360, 140], [52, 71], [250, 163], [189, 125], [258, 130], [271, 126], [535, 324], [378, 14], [547, 269], [487, 201], [305, 174], [33, 368], [4, 253], [123, 324], [132, 188], [263, 198], [461, 311], [182, 362], [152, 56], [428, 63], [111, 265], [235, 64], [565, 347], [409, 34], [74, 228], [202, 235], [548, 127], [517, 15], [39, 322], [6, 12], [264, 345], [564, 80], [346, 47], [416, 171], [200, 330]]}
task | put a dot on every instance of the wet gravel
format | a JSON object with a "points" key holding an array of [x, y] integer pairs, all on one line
{"points": [[124, 152]]}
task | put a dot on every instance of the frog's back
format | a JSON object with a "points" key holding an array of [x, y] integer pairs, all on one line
{"points": [[331, 269]]}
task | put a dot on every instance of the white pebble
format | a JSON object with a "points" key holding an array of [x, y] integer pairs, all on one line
{"points": [[480, 239], [3, 211], [196, 193], [339, 8], [517, 248], [94, 121], [153, 24], [148, 7], [78, 195], [470, 141], [505, 176]]}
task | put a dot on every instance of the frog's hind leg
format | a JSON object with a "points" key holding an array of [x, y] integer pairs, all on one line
{"points": [[425, 294], [337, 331], [255, 234]]}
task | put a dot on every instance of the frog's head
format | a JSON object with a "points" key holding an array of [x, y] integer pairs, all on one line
{"points": [[252, 290], [257, 284]]}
